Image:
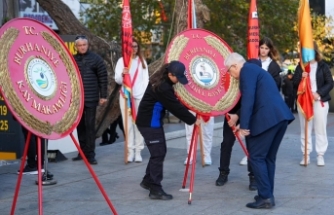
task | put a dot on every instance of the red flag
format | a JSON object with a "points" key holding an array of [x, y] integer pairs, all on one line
{"points": [[126, 33], [253, 32], [127, 55], [190, 14], [305, 97]]}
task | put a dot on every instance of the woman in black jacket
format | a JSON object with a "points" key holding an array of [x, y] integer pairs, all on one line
{"points": [[321, 84], [269, 57], [158, 97]]}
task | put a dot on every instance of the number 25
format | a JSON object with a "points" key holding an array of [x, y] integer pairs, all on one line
{"points": [[3, 125]]}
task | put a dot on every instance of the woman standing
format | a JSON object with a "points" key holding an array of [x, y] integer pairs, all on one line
{"points": [[321, 84], [158, 97], [269, 57], [139, 77]]}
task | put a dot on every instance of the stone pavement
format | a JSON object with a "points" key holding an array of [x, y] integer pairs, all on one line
{"points": [[298, 190]]}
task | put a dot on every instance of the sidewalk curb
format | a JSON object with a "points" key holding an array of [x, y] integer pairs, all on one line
{"points": [[182, 133]]}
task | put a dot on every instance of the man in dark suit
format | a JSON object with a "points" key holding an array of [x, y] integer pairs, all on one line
{"points": [[264, 117]]}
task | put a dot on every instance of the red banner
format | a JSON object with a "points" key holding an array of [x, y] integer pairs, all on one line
{"points": [[253, 32], [126, 33], [305, 96], [127, 54]]}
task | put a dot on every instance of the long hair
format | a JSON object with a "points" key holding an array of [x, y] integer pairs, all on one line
{"points": [[159, 76], [318, 54], [139, 54], [273, 53]]}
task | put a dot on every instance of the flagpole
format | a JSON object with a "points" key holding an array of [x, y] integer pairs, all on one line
{"points": [[306, 53], [201, 144], [125, 131], [127, 57], [192, 23], [305, 116], [305, 147]]}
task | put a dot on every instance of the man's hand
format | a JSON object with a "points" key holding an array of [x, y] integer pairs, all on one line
{"points": [[244, 132], [102, 101], [233, 119]]}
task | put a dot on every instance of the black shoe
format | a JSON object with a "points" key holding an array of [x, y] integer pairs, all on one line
{"points": [[222, 178], [272, 199], [144, 184], [252, 183], [113, 138], [260, 204], [105, 143], [77, 158], [49, 175], [160, 195], [92, 161]]}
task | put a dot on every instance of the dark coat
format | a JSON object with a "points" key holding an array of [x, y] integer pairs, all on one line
{"points": [[323, 77], [262, 106], [287, 88], [274, 69], [94, 76], [154, 103]]}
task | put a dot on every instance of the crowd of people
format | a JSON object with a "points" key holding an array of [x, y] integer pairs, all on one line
{"points": [[262, 114]]}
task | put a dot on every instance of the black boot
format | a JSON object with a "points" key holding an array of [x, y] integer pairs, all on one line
{"points": [[222, 178], [252, 183], [159, 194], [145, 184]]}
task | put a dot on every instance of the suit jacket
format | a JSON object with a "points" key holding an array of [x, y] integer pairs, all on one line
{"points": [[262, 106]]}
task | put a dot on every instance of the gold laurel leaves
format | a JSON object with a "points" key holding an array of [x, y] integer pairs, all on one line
{"points": [[6, 41], [178, 45]]}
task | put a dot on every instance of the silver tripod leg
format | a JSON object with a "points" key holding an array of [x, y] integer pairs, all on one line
{"points": [[45, 179]]}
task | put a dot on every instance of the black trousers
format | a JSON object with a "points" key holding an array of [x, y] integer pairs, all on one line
{"points": [[156, 144], [226, 149], [86, 132], [32, 149], [112, 130], [289, 100]]}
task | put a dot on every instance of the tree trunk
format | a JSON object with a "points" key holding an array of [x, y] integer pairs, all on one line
{"points": [[9, 9], [68, 24], [181, 23]]}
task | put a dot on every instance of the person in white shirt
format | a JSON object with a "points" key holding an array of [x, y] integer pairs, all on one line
{"points": [[139, 77], [321, 84]]}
